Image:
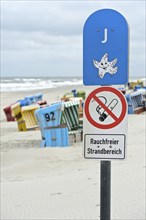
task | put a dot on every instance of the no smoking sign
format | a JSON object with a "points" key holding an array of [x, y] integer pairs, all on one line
{"points": [[105, 124]]}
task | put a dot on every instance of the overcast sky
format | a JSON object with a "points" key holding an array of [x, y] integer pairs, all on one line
{"points": [[44, 38]]}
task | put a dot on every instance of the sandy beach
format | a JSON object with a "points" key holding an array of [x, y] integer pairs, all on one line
{"points": [[58, 183]]}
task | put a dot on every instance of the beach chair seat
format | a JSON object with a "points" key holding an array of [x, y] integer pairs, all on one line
{"points": [[132, 84], [140, 82], [57, 122], [137, 87], [23, 102], [28, 114], [53, 132], [81, 94], [135, 102], [30, 99], [16, 112], [143, 92], [49, 116], [67, 96], [38, 97], [55, 137], [25, 116], [136, 83], [8, 112], [75, 136], [70, 115], [80, 107]]}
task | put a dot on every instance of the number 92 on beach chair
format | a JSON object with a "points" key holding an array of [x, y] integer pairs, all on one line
{"points": [[57, 122], [53, 133]]}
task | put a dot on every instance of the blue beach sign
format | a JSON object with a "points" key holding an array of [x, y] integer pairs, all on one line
{"points": [[105, 48]]}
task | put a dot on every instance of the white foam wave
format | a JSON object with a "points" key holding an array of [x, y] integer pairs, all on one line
{"points": [[24, 84]]}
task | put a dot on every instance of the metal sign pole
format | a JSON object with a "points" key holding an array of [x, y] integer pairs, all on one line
{"points": [[105, 190]]}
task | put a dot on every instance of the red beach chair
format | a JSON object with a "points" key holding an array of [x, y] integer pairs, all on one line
{"points": [[8, 113]]}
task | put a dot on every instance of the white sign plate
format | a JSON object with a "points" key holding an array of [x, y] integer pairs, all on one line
{"points": [[105, 124]]}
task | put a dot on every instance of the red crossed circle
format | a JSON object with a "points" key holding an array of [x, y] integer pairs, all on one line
{"points": [[117, 120]]}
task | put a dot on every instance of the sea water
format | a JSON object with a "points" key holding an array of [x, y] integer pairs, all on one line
{"points": [[14, 84], [28, 84]]}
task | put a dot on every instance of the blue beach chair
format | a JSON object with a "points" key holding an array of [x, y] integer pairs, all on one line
{"points": [[135, 102], [30, 99], [38, 97], [23, 102], [53, 133]]}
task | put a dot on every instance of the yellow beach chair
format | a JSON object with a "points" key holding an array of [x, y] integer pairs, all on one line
{"points": [[17, 114], [29, 116], [25, 116]]}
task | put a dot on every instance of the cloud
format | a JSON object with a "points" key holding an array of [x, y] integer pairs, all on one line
{"points": [[15, 40], [45, 37], [35, 16]]}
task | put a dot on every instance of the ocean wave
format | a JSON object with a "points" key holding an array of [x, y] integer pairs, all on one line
{"points": [[29, 84]]}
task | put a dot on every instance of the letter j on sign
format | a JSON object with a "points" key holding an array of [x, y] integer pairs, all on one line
{"points": [[105, 48]]}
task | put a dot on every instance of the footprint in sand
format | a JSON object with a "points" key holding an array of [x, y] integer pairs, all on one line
{"points": [[53, 194]]}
